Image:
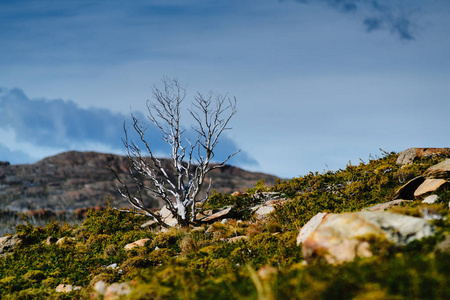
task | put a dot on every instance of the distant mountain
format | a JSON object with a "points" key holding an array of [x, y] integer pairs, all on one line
{"points": [[74, 180]]}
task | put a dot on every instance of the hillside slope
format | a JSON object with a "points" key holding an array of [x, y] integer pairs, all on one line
{"points": [[73, 180]]}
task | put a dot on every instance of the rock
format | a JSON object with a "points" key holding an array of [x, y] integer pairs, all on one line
{"points": [[138, 243], [430, 185], [50, 240], [439, 171], [204, 214], [100, 287], [165, 213], [225, 213], [444, 246], [310, 227], [64, 240], [117, 290], [431, 199], [150, 224], [266, 208], [8, 243], [407, 190], [386, 205], [340, 237], [409, 155], [66, 288], [237, 238]]}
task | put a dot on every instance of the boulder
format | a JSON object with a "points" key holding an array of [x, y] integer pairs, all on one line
{"points": [[267, 207], [407, 190], [150, 224], [409, 155], [431, 199], [439, 171], [8, 243], [342, 237], [310, 227], [117, 291], [386, 205], [225, 213], [138, 243], [430, 185]]}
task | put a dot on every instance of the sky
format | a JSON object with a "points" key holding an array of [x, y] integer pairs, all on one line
{"points": [[319, 83]]}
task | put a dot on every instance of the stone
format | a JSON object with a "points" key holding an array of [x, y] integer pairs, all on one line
{"points": [[407, 190], [310, 227], [225, 213], [100, 287], [50, 240], [66, 288], [237, 238], [409, 155], [430, 185], [64, 240], [444, 246], [150, 224], [138, 243], [8, 243], [204, 214], [431, 199], [340, 237], [439, 171], [117, 290], [386, 205], [263, 210], [165, 213]]}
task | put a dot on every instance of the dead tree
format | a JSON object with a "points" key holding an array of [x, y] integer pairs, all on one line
{"points": [[178, 186]]}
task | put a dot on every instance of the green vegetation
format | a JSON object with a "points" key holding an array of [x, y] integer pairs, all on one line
{"points": [[201, 263]]}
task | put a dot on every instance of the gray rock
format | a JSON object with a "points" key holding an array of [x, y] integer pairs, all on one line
{"points": [[225, 213], [341, 237], [8, 243], [431, 199]]}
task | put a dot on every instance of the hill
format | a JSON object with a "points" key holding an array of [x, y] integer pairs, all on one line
{"points": [[75, 180]]}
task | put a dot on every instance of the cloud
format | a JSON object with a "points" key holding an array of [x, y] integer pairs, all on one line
{"points": [[32, 127], [380, 16]]}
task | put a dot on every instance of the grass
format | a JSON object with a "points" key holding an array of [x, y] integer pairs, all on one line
{"points": [[200, 263]]}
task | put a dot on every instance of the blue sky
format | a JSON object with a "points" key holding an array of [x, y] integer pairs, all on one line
{"points": [[318, 82]]}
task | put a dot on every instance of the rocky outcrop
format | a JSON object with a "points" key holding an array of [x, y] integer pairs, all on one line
{"points": [[409, 155], [342, 237]]}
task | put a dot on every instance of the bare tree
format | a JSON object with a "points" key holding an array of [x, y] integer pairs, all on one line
{"points": [[178, 186]]}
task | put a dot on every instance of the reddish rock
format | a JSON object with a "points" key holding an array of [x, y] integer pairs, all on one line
{"points": [[409, 155]]}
